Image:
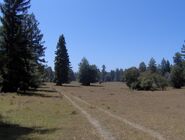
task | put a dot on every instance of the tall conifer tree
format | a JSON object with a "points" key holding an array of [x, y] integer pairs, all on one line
{"points": [[103, 73], [142, 67], [13, 43], [21, 45], [152, 65], [35, 61], [62, 63]]}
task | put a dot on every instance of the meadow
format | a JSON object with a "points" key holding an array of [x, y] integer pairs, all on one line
{"points": [[102, 111]]}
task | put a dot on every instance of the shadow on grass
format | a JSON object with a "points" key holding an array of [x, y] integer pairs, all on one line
{"points": [[36, 94], [42, 90], [71, 86], [16, 132], [96, 86], [40, 93]]}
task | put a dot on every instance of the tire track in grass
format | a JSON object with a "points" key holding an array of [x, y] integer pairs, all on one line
{"points": [[106, 135], [150, 132]]}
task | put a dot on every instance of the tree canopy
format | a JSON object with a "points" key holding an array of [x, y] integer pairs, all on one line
{"points": [[88, 73], [21, 46]]}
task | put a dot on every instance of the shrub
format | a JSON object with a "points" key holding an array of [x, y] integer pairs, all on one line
{"points": [[160, 81], [135, 85], [152, 81], [144, 81], [131, 77]]}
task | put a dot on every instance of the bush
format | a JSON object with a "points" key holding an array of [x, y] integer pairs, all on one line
{"points": [[131, 77], [152, 81], [145, 80], [135, 85], [160, 81]]}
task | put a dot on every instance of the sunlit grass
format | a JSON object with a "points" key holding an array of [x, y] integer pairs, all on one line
{"points": [[38, 117]]}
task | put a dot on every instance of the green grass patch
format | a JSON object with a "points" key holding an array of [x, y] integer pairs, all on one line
{"points": [[43, 115]]}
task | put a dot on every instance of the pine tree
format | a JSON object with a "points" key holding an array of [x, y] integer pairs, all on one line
{"points": [[13, 43], [36, 61], [72, 76], [142, 67], [178, 58], [118, 75], [21, 45], [103, 73], [112, 74], [177, 72], [165, 67], [177, 76], [48, 75], [183, 51], [62, 63], [168, 66], [152, 65], [88, 73]]}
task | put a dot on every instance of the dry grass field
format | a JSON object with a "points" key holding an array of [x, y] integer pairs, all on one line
{"points": [[161, 111], [109, 111], [42, 116]]}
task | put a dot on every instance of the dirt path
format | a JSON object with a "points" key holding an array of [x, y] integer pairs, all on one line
{"points": [[105, 134], [134, 125]]}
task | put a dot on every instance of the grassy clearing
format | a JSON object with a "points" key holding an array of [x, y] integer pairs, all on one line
{"points": [[47, 116], [42, 116], [161, 111]]}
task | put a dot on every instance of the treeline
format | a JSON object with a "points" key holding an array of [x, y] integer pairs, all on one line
{"points": [[112, 76], [22, 63], [151, 76]]}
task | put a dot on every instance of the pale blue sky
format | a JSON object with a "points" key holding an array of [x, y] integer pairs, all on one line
{"points": [[117, 33]]}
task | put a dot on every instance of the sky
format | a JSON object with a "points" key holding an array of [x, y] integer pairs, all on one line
{"points": [[117, 33]]}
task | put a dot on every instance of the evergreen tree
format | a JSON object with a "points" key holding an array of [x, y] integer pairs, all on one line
{"points": [[117, 75], [177, 76], [121, 72], [48, 75], [62, 63], [103, 73], [72, 76], [88, 73], [1, 58], [24, 55], [165, 67], [178, 58], [178, 72], [168, 66], [35, 60], [142, 67], [152, 65], [112, 74], [34, 38], [183, 51], [14, 44]]}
